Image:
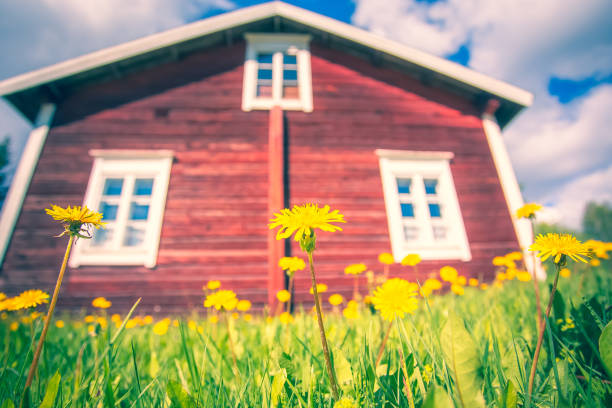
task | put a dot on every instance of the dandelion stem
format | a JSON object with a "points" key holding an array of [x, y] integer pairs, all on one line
{"points": [[381, 350], [231, 344], [405, 370], [536, 354], [536, 287], [315, 292], [41, 340]]}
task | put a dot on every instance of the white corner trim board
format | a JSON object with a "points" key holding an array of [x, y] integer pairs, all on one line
{"points": [[511, 189], [23, 175]]}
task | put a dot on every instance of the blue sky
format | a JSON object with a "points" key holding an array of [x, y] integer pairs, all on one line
{"points": [[560, 147]]}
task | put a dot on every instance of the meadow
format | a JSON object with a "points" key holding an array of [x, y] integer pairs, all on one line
{"points": [[449, 341]]}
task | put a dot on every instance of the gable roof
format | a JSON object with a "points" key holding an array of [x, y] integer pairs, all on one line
{"points": [[27, 91]]}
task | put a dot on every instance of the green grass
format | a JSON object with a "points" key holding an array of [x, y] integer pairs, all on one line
{"points": [[467, 351]]}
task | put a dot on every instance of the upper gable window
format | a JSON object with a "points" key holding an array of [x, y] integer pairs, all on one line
{"points": [[129, 187], [277, 72], [422, 206]]}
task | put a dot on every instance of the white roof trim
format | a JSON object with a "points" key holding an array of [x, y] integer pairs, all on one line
{"points": [[254, 13], [414, 154]]}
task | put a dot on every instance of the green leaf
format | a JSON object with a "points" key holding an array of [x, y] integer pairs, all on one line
{"points": [[344, 375], [277, 386], [437, 397], [558, 306], [284, 361], [605, 347], [508, 397], [8, 404], [178, 396], [463, 361], [51, 393]]}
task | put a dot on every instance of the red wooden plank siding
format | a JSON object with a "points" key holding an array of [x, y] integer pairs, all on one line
{"points": [[359, 108], [218, 204]]}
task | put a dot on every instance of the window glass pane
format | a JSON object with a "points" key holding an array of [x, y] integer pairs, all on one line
{"points": [[264, 58], [289, 59], [264, 74], [264, 90], [439, 232], [143, 187], [434, 210], [403, 185], [291, 92], [431, 186], [109, 211], [112, 187], [133, 236], [139, 212], [411, 232], [102, 237], [407, 210], [290, 75]]}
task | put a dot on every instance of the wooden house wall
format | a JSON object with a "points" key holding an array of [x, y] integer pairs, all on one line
{"points": [[215, 221]]}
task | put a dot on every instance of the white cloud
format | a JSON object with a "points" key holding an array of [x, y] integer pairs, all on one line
{"points": [[552, 146]]}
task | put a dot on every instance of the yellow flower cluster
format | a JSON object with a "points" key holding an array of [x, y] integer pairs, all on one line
{"points": [[212, 285], [600, 249]]}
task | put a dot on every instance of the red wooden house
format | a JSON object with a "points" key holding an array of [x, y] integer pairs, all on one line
{"points": [[188, 140]]}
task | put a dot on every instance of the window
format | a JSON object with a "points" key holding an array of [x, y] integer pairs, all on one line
{"points": [[129, 188], [277, 72], [422, 207]]}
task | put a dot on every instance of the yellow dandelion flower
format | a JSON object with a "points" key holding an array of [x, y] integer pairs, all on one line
{"points": [[213, 285], [500, 277], [285, 318], [355, 269], [395, 298], [425, 291], [291, 264], [247, 317], [3, 315], [235, 315], [243, 305], [565, 273], [503, 261], [594, 262], [523, 276], [2, 296], [148, 319], [599, 248], [283, 295], [484, 286], [528, 210], [560, 246], [448, 273], [222, 299], [321, 288], [345, 402], [160, 328], [366, 300], [386, 258], [102, 322], [7, 304], [514, 256], [511, 273], [59, 324], [28, 299], [433, 284], [457, 289], [411, 260], [214, 319], [89, 319], [461, 280], [77, 221], [473, 282], [14, 326], [350, 312], [336, 299], [304, 219], [101, 303]]}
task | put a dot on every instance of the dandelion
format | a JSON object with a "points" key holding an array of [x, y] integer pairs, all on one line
{"points": [[222, 299], [355, 270], [594, 262], [514, 256], [433, 284], [473, 282], [243, 305], [28, 299], [484, 286], [59, 324], [213, 285], [599, 248], [528, 210], [214, 319], [285, 318], [395, 298], [511, 273], [148, 319], [345, 402], [302, 221], [457, 289], [386, 258], [101, 303], [523, 276], [160, 328], [321, 288], [351, 310], [13, 326], [461, 280], [247, 317], [291, 264], [283, 295], [560, 246], [411, 260], [336, 299], [565, 273], [448, 273]]}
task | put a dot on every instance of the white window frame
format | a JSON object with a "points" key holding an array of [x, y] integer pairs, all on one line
{"points": [[277, 44], [419, 165], [126, 164]]}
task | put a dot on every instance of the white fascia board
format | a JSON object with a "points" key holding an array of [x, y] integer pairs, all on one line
{"points": [[511, 190], [258, 12], [23, 175]]}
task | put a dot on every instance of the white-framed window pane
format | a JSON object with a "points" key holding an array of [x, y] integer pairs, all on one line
{"points": [[434, 210], [139, 212], [109, 211], [431, 186], [134, 236], [407, 210], [411, 232], [143, 186], [112, 187], [403, 185], [103, 237]]}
